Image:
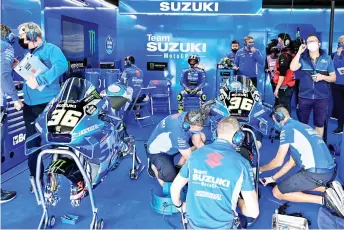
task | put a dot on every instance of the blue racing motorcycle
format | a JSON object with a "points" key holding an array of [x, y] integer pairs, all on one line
{"points": [[86, 140]]}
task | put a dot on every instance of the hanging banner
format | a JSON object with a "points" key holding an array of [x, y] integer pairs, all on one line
{"points": [[193, 7]]}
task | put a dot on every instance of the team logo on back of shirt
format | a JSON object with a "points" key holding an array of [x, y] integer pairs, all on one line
{"points": [[214, 159]]}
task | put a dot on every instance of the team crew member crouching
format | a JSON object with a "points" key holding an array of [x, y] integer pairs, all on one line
{"points": [[310, 153], [173, 135], [216, 174]]}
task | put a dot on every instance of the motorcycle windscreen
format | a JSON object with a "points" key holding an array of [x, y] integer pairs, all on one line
{"points": [[117, 102], [68, 108], [77, 90], [239, 95]]}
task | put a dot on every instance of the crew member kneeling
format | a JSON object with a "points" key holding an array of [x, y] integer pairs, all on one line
{"points": [[216, 175], [171, 137], [310, 153]]}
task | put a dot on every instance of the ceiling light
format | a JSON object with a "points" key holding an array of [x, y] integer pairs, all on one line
{"points": [[77, 2], [104, 3]]}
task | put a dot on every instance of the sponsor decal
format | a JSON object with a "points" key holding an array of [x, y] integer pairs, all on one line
{"points": [[168, 48]]}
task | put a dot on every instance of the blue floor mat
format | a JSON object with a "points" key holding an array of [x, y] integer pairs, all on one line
{"points": [[124, 203]]}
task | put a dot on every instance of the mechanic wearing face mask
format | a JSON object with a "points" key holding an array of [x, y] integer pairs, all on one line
{"points": [[30, 38], [338, 87], [247, 59], [314, 90]]}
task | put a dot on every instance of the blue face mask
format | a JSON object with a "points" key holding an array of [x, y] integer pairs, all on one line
{"points": [[250, 46], [341, 46]]}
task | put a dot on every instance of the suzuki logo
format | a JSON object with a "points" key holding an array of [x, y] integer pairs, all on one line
{"points": [[92, 36], [214, 159], [190, 6]]}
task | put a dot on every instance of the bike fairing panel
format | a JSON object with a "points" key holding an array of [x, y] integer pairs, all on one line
{"points": [[239, 98], [73, 116]]}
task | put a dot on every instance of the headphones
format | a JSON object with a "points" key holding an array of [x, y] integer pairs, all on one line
{"points": [[31, 35], [279, 116], [286, 39], [10, 36], [238, 137], [198, 117]]}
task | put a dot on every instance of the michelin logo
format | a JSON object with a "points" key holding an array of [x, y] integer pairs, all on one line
{"points": [[189, 6], [175, 50]]}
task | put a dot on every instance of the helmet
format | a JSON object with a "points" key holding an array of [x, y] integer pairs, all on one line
{"points": [[194, 57]]}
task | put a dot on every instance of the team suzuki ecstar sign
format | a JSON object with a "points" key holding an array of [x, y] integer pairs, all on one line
{"points": [[193, 7]]}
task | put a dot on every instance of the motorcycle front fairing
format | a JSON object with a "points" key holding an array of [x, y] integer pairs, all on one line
{"points": [[71, 119], [239, 98]]}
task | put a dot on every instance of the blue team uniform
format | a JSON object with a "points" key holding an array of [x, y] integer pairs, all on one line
{"points": [[132, 76], [7, 85], [169, 136], [217, 174], [57, 64], [310, 153], [164, 144], [248, 62], [308, 88], [338, 61], [192, 81]]}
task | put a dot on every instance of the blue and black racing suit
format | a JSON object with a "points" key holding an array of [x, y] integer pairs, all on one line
{"points": [[193, 81]]}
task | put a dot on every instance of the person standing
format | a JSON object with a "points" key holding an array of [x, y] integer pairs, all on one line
{"points": [[8, 89], [318, 72], [338, 86], [35, 101]]}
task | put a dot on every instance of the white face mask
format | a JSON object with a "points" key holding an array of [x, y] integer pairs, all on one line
{"points": [[313, 46]]}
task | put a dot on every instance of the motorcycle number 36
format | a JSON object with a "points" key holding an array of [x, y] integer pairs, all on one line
{"points": [[63, 117], [241, 103]]}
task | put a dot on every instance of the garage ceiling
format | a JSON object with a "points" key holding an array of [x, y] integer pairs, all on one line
{"points": [[287, 3]]}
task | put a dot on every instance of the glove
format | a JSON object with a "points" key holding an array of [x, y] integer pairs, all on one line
{"points": [[267, 180], [18, 105]]}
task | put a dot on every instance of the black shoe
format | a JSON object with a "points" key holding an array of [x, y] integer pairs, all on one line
{"points": [[332, 201], [7, 196], [338, 130], [150, 170]]}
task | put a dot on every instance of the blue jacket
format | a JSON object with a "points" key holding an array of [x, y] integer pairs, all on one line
{"points": [[193, 78], [247, 62], [132, 76], [308, 88], [57, 64], [7, 85], [338, 62]]}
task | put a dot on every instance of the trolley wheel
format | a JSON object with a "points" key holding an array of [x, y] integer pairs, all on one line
{"points": [[50, 222], [100, 224], [133, 174]]}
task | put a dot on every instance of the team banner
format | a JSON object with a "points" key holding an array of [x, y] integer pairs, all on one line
{"points": [[193, 7]]}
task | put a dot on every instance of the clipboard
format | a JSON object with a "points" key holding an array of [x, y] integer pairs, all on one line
{"points": [[30, 65]]}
